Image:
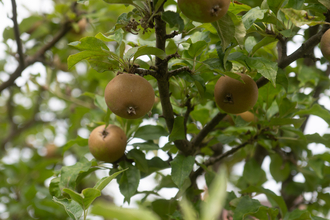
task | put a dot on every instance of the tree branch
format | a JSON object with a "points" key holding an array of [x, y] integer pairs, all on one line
{"points": [[179, 70], [17, 35], [190, 108], [144, 72], [162, 77], [213, 160], [171, 35], [37, 56], [299, 53], [207, 129]]}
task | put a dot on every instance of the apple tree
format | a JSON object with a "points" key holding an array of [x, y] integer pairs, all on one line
{"points": [[54, 76]]}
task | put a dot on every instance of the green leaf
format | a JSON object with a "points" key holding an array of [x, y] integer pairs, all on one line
{"points": [[326, 3], [245, 207], [285, 121], [225, 28], [265, 67], [130, 53], [287, 107], [264, 42], [156, 164], [188, 210], [297, 215], [226, 139], [84, 199], [181, 168], [116, 36], [90, 44], [110, 211], [54, 187], [70, 174], [164, 208], [301, 17], [316, 138], [317, 165], [99, 101], [201, 115], [316, 110], [173, 19], [252, 15], [90, 194], [79, 141], [146, 50], [178, 131], [129, 180], [280, 170], [215, 201], [102, 183], [271, 196], [75, 58], [139, 158], [150, 132], [75, 196], [166, 182], [253, 174], [72, 208], [149, 145], [197, 48], [240, 30], [95, 52], [275, 5]]}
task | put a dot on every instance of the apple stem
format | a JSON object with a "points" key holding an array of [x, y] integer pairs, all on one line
{"points": [[131, 110]]}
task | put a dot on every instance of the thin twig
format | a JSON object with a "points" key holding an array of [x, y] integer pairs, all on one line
{"points": [[299, 53], [179, 70], [207, 129], [17, 35], [190, 108], [144, 72], [171, 35], [37, 56], [212, 160]]}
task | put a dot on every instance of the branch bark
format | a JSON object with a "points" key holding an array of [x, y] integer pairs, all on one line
{"points": [[17, 35], [299, 53], [38, 56], [207, 129]]}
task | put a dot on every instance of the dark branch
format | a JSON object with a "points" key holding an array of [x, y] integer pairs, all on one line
{"points": [[207, 129], [144, 72], [37, 56], [190, 108], [175, 55], [171, 35], [213, 160], [17, 35], [299, 53], [179, 70]]}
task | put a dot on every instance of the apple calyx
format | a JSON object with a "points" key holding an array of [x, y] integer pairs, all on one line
{"points": [[131, 110], [229, 98], [215, 10], [104, 133]]}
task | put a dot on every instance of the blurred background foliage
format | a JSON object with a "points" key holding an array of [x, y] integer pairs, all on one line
{"points": [[47, 114]]}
